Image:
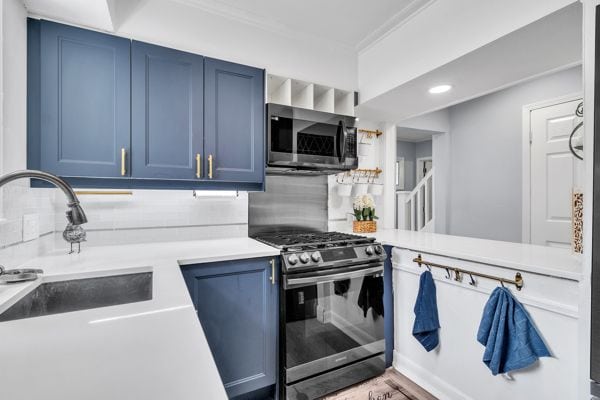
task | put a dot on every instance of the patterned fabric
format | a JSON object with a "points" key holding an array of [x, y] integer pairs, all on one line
{"points": [[511, 340], [425, 328]]}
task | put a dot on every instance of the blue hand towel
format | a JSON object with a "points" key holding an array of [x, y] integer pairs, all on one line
{"points": [[508, 334], [426, 326]]}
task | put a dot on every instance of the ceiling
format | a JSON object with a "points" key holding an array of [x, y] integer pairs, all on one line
{"points": [[93, 13], [413, 135], [352, 23], [532, 51]]}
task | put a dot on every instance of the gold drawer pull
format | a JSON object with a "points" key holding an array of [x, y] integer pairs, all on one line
{"points": [[123, 156], [210, 166], [198, 166]]}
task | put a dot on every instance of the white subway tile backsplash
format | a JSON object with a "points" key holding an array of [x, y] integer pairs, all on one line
{"points": [[145, 216]]}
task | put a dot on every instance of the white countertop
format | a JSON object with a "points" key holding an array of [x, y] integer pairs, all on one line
{"points": [[551, 261], [148, 350]]}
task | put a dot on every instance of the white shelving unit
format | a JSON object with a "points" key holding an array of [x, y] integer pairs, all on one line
{"points": [[344, 102], [302, 94], [297, 93], [324, 99], [279, 90]]}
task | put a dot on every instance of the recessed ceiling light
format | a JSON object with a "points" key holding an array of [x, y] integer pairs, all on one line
{"points": [[440, 89]]}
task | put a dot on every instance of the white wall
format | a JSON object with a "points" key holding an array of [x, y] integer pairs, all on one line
{"points": [[440, 33], [17, 198], [339, 206], [192, 29], [485, 157]]}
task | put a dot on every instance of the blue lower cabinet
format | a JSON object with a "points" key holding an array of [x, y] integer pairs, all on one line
{"points": [[237, 305]]}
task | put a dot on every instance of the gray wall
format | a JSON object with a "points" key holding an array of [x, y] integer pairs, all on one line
{"points": [[485, 171], [406, 150], [410, 151], [423, 149]]}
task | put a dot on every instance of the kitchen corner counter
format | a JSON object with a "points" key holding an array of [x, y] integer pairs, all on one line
{"points": [[152, 349], [549, 261]]}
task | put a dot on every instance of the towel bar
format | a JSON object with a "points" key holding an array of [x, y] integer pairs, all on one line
{"points": [[518, 281]]}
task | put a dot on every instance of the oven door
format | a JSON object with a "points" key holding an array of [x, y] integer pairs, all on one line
{"points": [[311, 140], [331, 320]]}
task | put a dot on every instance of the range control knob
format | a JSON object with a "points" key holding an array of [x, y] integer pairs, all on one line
{"points": [[316, 256], [304, 258], [369, 250], [378, 250], [293, 259]]}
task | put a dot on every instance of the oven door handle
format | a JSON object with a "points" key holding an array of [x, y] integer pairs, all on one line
{"points": [[313, 280]]}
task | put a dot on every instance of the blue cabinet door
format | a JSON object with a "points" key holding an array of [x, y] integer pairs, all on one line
{"points": [[237, 305], [167, 112], [234, 133], [79, 100]]}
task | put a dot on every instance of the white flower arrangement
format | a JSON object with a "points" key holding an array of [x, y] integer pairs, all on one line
{"points": [[364, 208]]}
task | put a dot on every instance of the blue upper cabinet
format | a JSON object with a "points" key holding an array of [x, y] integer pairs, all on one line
{"points": [[167, 113], [234, 126], [105, 111], [79, 101], [237, 305]]}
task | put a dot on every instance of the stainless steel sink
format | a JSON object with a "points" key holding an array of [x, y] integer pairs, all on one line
{"points": [[81, 294]]}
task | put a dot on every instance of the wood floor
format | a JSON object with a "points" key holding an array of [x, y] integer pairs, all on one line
{"points": [[390, 386]]}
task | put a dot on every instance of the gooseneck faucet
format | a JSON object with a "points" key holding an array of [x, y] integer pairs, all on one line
{"points": [[73, 233]]}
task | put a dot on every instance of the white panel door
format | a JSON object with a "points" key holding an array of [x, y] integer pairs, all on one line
{"points": [[552, 174]]}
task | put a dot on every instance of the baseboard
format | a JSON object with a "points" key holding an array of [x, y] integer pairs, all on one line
{"points": [[424, 378]]}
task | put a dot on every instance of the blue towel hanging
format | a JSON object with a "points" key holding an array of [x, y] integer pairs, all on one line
{"points": [[511, 340], [427, 323]]}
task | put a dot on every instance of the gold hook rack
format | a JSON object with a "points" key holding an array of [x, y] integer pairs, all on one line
{"points": [[375, 171], [370, 133], [458, 272]]}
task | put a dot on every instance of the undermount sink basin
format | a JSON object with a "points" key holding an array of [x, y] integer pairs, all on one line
{"points": [[81, 294]]}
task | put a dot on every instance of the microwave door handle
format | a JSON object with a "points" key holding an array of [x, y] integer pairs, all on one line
{"points": [[291, 282], [342, 135]]}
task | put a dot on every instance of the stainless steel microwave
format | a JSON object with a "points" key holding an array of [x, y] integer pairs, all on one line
{"points": [[304, 140]]}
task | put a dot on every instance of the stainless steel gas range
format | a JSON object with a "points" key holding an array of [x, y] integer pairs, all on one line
{"points": [[331, 311]]}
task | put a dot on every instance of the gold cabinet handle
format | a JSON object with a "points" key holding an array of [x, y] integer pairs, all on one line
{"points": [[272, 278], [210, 166], [198, 166], [123, 156]]}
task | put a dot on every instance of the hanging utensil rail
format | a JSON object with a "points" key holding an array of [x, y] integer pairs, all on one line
{"points": [[458, 272], [370, 132]]}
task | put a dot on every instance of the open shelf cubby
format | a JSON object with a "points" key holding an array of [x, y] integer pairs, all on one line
{"points": [[303, 94]]}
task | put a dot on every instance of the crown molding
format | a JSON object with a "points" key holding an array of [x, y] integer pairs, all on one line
{"points": [[393, 23], [259, 21]]}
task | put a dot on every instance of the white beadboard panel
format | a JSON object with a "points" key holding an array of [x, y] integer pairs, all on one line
{"points": [[551, 302]]}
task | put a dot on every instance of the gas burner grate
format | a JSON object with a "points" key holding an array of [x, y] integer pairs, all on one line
{"points": [[309, 240]]}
